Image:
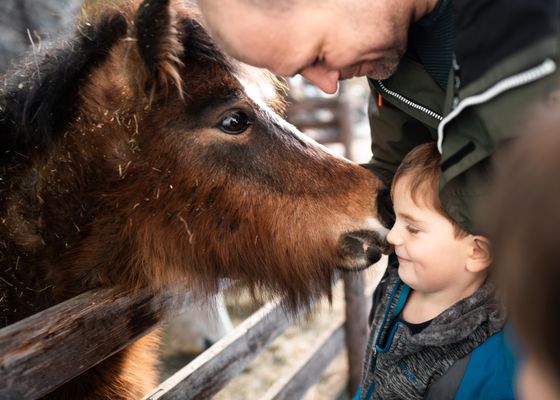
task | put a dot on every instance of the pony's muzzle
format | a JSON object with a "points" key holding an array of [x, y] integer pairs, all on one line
{"points": [[362, 248]]}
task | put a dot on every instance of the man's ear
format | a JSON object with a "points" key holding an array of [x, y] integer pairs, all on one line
{"points": [[480, 255]]}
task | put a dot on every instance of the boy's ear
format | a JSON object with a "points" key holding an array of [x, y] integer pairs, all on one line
{"points": [[480, 255]]}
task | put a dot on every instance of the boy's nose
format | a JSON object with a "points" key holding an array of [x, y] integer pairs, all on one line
{"points": [[324, 78], [393, 237]]}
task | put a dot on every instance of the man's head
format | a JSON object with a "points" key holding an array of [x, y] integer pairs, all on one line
{"points": [[324, 41], [435, 254]]}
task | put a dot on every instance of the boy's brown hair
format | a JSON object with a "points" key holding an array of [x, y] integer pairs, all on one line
{"points": [[422, 166]]}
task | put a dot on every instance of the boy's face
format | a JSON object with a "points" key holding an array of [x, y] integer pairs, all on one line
{"points": [[431, 258]]}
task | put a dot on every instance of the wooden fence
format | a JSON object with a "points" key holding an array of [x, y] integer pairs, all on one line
{"points": [[47, 349]]}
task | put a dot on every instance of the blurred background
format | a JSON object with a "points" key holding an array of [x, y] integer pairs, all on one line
{"points": [[338, 121]]}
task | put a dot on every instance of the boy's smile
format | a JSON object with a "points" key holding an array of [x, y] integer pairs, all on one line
{"points": [[431, 257], [402, 259]]}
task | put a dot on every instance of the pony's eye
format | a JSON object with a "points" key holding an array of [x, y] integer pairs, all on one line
{"points": [[234, 123]]}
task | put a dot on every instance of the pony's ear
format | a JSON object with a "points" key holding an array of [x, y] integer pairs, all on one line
{"points": [[41, 98], [159, 45]]}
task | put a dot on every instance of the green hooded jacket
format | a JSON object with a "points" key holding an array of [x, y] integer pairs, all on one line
{"points": [[505, 64]]}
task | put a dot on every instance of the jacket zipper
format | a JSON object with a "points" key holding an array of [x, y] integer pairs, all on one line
{"points": [[410, 103], [546, 68], [457, 81]]}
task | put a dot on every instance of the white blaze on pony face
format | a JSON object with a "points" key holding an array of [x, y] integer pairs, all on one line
{"points": [[257, 83], [361, 236], [259, 87]]}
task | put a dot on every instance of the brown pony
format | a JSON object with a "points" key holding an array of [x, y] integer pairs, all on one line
{"points": [[137, 155]]}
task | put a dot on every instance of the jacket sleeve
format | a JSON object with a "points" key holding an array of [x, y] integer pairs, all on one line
{"points": [[393, 134]]}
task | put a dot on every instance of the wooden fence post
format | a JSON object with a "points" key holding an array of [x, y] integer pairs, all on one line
{"points": [[345, 122], [356, 326]]}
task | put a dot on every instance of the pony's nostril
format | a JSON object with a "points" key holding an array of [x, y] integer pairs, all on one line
{"points": [[373, 254], [385, 247], [352, 244], [364, 248]]}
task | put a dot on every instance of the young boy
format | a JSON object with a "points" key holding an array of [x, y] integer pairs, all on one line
{"points": [[437, 332]]}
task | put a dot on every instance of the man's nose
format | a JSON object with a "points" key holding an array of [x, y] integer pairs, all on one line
{"points": [[324, 78]]}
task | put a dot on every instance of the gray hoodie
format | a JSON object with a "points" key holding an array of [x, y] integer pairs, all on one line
{"points": [[402, 365]]}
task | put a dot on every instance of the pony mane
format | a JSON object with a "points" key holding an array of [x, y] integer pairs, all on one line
{"points": [[199, 45], [41, 97], [38, 99]]}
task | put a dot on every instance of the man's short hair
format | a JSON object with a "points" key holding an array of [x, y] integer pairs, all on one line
{"points": [[422, 166]]}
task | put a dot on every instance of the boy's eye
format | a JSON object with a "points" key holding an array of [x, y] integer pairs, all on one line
{"points": [[412, 229]]}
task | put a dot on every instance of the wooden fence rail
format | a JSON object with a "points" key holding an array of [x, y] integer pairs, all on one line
{"points": [[209, 372], [48, 349], [212, 370], [310, 368], [42, 352]]}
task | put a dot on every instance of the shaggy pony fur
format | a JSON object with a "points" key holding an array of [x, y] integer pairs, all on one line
{"points": [[138, 154]]}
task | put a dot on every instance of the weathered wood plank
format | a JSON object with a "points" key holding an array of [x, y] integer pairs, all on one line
{"points": [[356, 325], [308, 371], [47, 349], [210, 371]]}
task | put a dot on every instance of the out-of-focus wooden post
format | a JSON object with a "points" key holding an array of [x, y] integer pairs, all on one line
{"points": [[356, 326], [345, 123]]}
